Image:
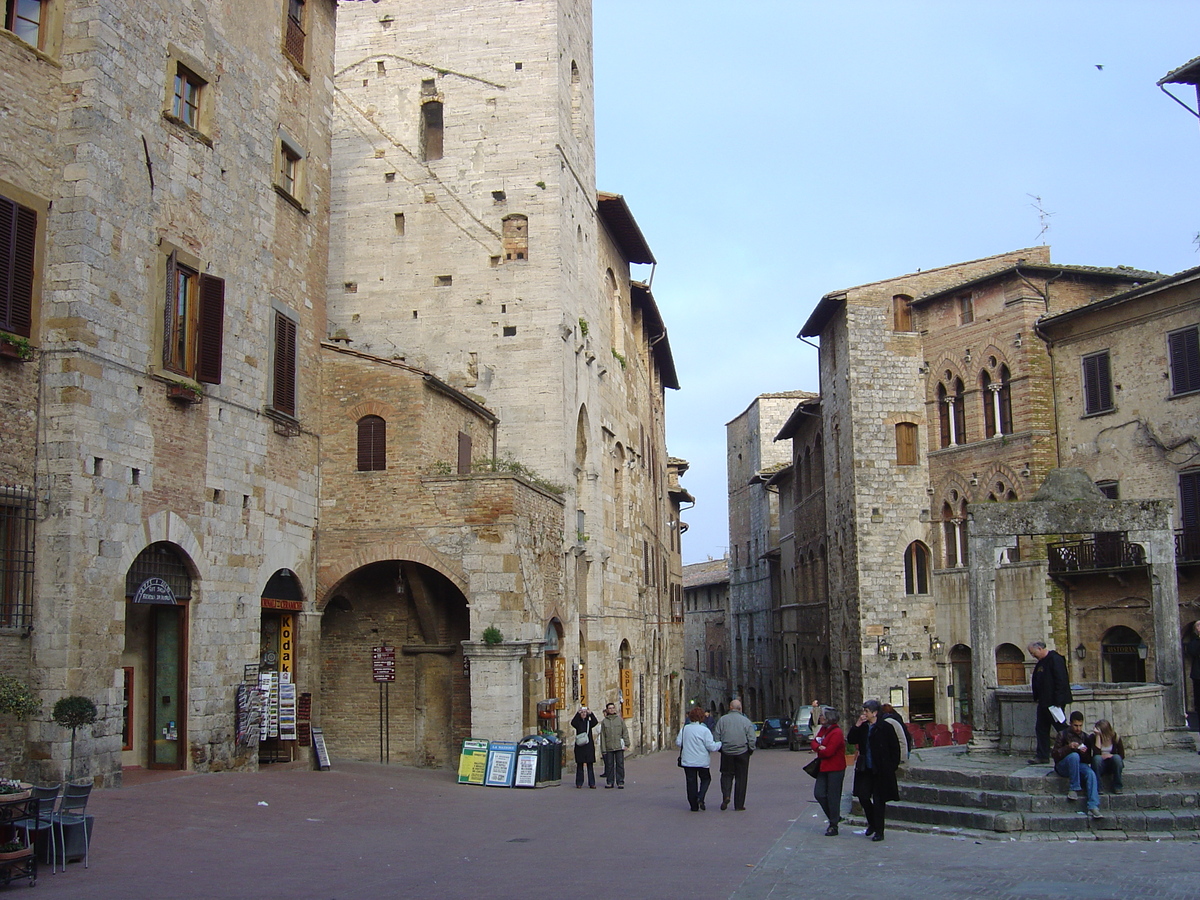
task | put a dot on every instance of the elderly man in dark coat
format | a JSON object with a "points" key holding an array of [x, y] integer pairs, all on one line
{"points": [[1051, 688], [875, 768]]}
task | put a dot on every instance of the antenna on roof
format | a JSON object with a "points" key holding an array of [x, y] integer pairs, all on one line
{"points": [[1043, 218]]}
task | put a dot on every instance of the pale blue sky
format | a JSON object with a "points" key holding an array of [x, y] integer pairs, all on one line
{"points": [[775, 151]]}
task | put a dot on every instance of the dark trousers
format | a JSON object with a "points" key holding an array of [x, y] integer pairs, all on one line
{"points": [[591, 774], [874, 809], [614, 767], [1041, 729], [1196, 701], [698, 779], [828, 793], [735, 771]]}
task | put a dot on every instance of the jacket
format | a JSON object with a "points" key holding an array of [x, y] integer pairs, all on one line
{"points": [[1192, 649], [884, 744], [695, 742], [585, 753], [1050, 684], [736, 734], [831, 749], [613, 733], [1062, 748], [1117, 750]]}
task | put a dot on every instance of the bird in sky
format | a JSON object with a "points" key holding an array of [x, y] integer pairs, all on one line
{"points": [[1101, 68]]}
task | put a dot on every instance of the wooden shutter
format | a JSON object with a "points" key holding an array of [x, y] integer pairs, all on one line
{"points": [[211, 329], [372, 444], [1189, 500], [1185, 361], [464, 454], [169, 314], [1097, 383], [18, 240], [284, 399]]}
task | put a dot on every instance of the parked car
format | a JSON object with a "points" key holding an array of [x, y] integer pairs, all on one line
{"points": [[801, 732], [774, 733]]}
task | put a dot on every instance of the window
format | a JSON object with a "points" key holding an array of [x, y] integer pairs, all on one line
{"points": [[465, 445], [1109, 489], [18, 241], [515, 233], [966, 309], [193, 324], [1097, 383], [372, 444], [26, 19], [902, 313], [952, 413], [431, 130], [16, 556], [1189, 507], [1184, 349], [188, 100], [997, 402], [906, 444], [954, 534], [283, 390], [185, 101], [294, 36], [916, 568], [289, 169]]}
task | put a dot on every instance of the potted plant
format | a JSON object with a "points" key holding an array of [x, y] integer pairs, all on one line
{"points": [[14, 850], [184, 393], [11, 790], [72, 712], [14, 346], [16, 699]]}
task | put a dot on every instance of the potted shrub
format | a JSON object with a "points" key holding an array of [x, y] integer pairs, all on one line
{"points": [[14, 850], [73, 712]]}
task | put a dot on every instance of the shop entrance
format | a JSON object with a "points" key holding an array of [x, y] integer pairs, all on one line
{"points": [[158, 590], [280, 731], [1123, 655]]}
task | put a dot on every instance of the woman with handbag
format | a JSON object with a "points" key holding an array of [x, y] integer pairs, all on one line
{"points": [[695, 742], [829, 744], [585, 746]]}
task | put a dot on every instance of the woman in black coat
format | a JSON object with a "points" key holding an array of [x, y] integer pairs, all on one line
{"points": [[585, 746], [875, 767]]}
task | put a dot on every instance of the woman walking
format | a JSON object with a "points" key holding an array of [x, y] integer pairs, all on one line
{"points": [[830, 746], [695, 742]]}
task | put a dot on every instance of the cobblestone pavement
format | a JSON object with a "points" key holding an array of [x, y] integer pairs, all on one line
{"points": [[364, 830]]}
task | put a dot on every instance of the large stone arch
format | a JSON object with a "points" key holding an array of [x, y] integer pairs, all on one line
{"points": [[332, 575]]}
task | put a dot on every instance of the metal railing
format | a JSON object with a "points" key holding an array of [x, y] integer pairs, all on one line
{"points": [[1102, 552]]}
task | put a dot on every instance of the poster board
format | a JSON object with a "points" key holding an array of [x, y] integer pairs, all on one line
{"points": [[501, 764], [472, 762], [527, 764], [320, 753]]}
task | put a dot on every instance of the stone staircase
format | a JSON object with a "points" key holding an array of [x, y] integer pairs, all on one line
{"points": [[957, 790]]}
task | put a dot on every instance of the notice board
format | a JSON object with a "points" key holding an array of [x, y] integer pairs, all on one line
{"points": [[472, 762], [501, 764]]}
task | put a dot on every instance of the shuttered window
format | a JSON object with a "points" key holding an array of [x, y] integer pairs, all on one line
{"points": [[283, 395], [372, 444], [906, 444], [1185, 360], [464, 453], [1097, 383], [18, 235], [193, 322]]}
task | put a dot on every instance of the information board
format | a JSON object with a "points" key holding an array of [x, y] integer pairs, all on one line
{"points": [[383, 663], [320, 753], [527, 760], [501, 764], [472, 762]]}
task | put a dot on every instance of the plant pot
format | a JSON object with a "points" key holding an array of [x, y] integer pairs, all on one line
{"points": [[13, 855], [182, 393], [9, 350], [16, 797]]}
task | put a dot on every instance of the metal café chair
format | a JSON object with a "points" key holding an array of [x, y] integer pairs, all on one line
{"points": [[42, 811], [72, 810]]}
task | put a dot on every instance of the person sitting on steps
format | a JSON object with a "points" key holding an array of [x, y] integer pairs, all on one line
{"points": [[1072, 759]]}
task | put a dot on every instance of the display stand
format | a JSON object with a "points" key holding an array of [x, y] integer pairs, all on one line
{"points": [[20, 863]]}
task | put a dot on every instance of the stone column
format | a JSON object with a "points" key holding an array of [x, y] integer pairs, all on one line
{"points": [[497, 689], [983, 553], [1164, 604]]}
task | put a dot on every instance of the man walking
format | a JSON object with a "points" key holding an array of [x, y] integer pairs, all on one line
{"points": [[1051, 688], [614, 738], [736, 734]]}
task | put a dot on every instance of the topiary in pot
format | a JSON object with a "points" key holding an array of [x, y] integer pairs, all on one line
{"points": [[72, 712]]}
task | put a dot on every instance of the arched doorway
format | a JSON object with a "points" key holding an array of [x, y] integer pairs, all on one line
{"points": [[556, 666], [960, 677], [1122, 655], [281, 602], [158, 591], [1010, 665], [424, 616]]}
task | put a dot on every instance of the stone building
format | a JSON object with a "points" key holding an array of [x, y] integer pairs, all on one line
{"points": [[706, 617], [752, 458], [935, 395], [164, 173], [468, 239]]}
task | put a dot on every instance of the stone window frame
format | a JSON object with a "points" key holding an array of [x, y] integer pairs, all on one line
{"points": [[189, 68], [917, 559], [291, 170], [202, 337], [47, 39]]}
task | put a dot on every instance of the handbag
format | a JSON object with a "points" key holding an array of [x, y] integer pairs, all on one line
{"points": [[813, 766], [679, 758], [581, 738]]}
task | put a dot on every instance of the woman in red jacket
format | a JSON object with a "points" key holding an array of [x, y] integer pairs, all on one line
{"points": [[830, 746]]}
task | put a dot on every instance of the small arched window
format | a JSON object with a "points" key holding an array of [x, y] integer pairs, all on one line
{"points": [[372, 444], [916, 569]]}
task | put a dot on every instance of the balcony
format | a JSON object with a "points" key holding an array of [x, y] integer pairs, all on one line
{"points": [[1187, 546], [1104, 553]]}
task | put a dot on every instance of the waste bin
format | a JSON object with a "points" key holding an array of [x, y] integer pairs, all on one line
{"points": [[549, 757]]}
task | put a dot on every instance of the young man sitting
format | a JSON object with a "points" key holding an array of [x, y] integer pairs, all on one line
{"points": [[1073, 760]]}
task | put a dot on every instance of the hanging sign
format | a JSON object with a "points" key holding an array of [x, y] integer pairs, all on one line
{"points": [[472, 763], [155, 590]]}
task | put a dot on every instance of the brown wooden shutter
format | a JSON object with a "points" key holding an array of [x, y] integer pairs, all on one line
{"points": [[18, 240], [169, 312], [211, 329], [1097, 383], [1185, 361], [284, 399], [464, 454], [372, 444]]}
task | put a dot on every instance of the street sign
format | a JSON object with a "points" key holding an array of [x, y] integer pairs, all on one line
{"points": [[383, 663]]}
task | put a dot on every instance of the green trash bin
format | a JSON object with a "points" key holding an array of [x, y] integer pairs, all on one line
{"points": [[549, 757]]}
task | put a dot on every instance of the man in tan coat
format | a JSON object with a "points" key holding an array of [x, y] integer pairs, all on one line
{"points": [[614, 738]]}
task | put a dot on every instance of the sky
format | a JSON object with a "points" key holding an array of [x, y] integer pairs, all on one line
{"points": [[773, 152]]}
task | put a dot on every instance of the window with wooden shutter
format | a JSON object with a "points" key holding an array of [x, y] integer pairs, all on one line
{"points": [[210, 329], [464, 453], [372, 444], [1097, 383], [193, 322], [294, 38], [283, 395], [1184, 348], [906, 444], [18, 240]]}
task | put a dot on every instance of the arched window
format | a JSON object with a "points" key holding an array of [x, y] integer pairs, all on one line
{"points": [[951, 412], [372, 444], [916, 568], [997, 402], [1123, 655], [959, 410], [945, 416], [954, 531]]}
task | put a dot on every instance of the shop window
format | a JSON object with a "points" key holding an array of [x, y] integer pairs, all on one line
{"points": [[18, 242], [1184, 346], [432, 131], [283, 388], [902, 313], [372, 444], [916, 569], [16, 556], [1097, 383], [906, 444], [193, 320]]}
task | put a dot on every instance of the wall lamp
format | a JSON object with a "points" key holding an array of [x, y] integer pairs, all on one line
{"points": [[1142, 650], [935, 645], [883, 647], [1081, 651]]}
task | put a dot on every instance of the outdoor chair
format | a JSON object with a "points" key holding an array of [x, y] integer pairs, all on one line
{"points": [[917, 734], [942, 739], [44, 799], [961, 733], [72, 810]]}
